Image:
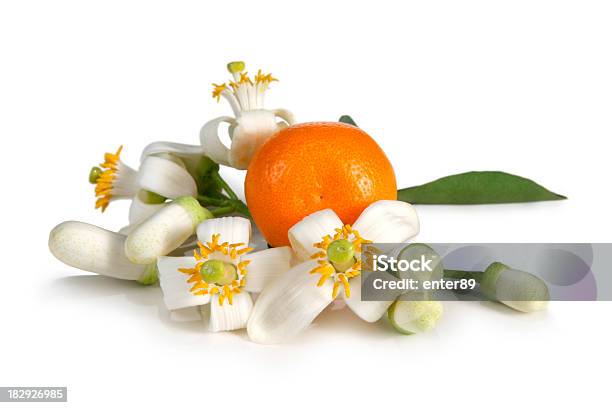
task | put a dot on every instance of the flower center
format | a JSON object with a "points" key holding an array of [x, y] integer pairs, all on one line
{"points": [[218, 269], [338, 258], [341, 254], [219, 272], [244, 93]]}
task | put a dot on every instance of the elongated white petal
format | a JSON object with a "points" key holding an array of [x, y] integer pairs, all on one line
{"points": [[253, 129], [289, 304], [92, 249], [285, 115], [211, 141], [230, 317], [165, 230], [234, 230], [370, 310], [178, 149], [140, 211], [311, 230], [166, 178], [388, 221], [177, 294], [265, 266]]}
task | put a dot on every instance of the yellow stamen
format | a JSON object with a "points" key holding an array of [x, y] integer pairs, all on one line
{"points": [[321, 254], [218, 90], [347, 287], [104, 183], [327, 270], [244, 79], [335, 290], [186, 270], [202, 254]]}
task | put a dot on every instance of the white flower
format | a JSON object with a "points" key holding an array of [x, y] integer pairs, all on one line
{"points": [[221, 274], [97, 250], [159, 177], [329, 253], [250, 127]]}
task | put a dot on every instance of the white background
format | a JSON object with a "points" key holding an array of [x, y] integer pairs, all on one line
{"points": [[444, 87]]}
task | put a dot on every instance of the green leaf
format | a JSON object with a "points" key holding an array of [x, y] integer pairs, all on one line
{"points": [[348, 120], [478, 187]]}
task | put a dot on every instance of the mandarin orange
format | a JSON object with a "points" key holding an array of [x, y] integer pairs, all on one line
{"points": [[312, 166]]}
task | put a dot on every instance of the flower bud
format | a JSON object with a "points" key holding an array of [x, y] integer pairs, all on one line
{"points": [[414, 316], [165, 230], [93, 249], [517, 289]]}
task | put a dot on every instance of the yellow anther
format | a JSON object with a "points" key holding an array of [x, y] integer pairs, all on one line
{"points": [[197, 286], [244, 250], [335, 290], [320, 254], [322, 280], [186, 270], [345, 282], [244, 79], [218, 90]]}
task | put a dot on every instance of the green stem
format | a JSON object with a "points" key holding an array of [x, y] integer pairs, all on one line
{"points": [[458, 274], [222, 183], [218, 202], [223, 211]]}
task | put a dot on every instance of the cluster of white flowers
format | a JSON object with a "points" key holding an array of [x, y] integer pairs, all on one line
{"points": [[179, 204]]}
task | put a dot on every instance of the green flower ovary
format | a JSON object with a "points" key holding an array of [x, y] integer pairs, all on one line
{"points": [[341, 254], [219, 272]]}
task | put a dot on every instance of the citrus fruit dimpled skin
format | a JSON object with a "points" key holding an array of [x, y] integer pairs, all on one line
{"points": [[312, 166]]}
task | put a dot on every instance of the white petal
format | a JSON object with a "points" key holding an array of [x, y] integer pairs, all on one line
{"points": [[140, 211], [230, 317], [253, 129], [286, 115], [234, 230], [174, 284], [311, 230], [211, 142], [266, 266], [92, 249], [388, 221], [166, 178], [289, 304], [371, 310], [168, 147]]}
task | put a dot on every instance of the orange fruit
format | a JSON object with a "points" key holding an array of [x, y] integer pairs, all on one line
{"points": [[312, 166]]}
